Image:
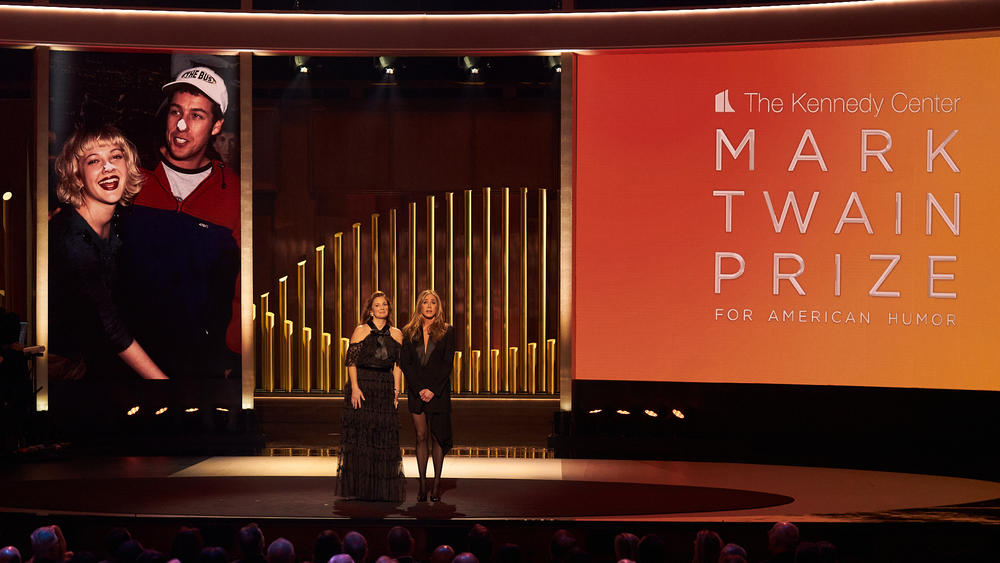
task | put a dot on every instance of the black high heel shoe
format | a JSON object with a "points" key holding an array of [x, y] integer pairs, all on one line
{"points": [[436, 497], [421, 495]]}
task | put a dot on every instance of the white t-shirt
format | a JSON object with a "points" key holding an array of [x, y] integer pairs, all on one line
{"points": [[183, 182]]}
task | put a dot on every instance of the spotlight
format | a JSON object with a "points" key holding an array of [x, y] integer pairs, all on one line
{"points": [[133, 411], [161, 411], [390, 70], [304, 69], [559, 69], [595, 411], [7, 196], [651, 413], [622, 411], [474, 70], [301, 63], [470, 65], [678, 413], [221, 409], [192, 409]]}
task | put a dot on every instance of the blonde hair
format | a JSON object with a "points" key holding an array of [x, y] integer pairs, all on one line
{"points": [[70, 187], [414, 328]]}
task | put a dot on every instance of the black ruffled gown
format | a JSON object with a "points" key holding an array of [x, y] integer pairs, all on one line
{"points": [[370, 463]]}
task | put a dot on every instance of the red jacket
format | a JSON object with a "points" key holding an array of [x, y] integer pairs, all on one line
{"points": [[216, 200]]}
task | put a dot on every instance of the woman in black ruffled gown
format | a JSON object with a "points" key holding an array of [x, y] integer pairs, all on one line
{"points": [[370, 463]]}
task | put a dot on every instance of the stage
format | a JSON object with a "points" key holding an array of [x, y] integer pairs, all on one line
{"points": [[483, 488]]}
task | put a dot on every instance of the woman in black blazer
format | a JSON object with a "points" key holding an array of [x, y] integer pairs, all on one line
{"points": [[426, 360]]}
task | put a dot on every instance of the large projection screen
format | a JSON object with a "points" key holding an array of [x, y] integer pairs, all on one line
{"points": [[817, 214]]}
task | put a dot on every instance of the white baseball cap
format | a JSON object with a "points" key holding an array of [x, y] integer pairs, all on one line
{"points": [[205, 80]]}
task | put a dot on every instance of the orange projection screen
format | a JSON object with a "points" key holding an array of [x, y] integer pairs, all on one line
{"points": [[817, 214]]}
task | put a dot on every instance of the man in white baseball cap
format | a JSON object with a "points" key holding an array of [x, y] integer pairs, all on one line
{"points": [[182, 258]]}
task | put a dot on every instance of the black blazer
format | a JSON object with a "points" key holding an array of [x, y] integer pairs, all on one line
{"points": [[431, 372]]}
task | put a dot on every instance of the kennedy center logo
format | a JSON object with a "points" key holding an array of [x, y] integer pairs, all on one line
{"points": [[722, 104]]}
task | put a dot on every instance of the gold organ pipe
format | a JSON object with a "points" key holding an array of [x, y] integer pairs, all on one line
{"points": [[494, 370], [523, 329], [305, 360], [322, 379], [449, 263], [456, 371], [431, 246], [287, 351], [487, 305], [356, 241], [393, 274], [412, 243], [283, 345], [470, 373], [263, 310], [342, 347], [505, 374], [531, 373], [543, 288], [512, 367], [302, 375], [375, 241], [338, 305], [269, 352], [476, 361], [550, 363], [324, 360]]}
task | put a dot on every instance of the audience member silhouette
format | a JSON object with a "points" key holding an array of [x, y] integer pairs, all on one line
{"points": [[327, 545], [400, 544], [356, 546], [481, 543], [213, 554], [129, 551], [626, 546], [652, 549], [187, 545], [733, 549], [341, 558], [465, 557], [251, 543], [385, 559], [48, 545], [442, 554], [707, 547], [782, 540], [113, 540], [561, 545], [281, 551], [10, 554]]}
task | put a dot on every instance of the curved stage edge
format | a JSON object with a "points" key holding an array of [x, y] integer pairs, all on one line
{"points": [[492, 488]]}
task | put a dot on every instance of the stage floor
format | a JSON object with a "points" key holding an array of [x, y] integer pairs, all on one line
{"points": [[496, 488]]}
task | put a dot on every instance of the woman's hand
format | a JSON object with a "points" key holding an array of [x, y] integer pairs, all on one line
{"points": [[356, 397], [426, 395], [395, 398]]}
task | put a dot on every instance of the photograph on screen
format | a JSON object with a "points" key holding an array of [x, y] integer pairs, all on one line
{"points": [[144, 229]]}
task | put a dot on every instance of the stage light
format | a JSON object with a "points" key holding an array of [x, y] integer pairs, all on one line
{"points": [[161, 411], [192, 409], [390, 70], [304, 69], [678, 413], [559, 69], [474, 70], [133, 411], [595, 411], [651, 413], [7, 196], [622, 411], [221, 409]]}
